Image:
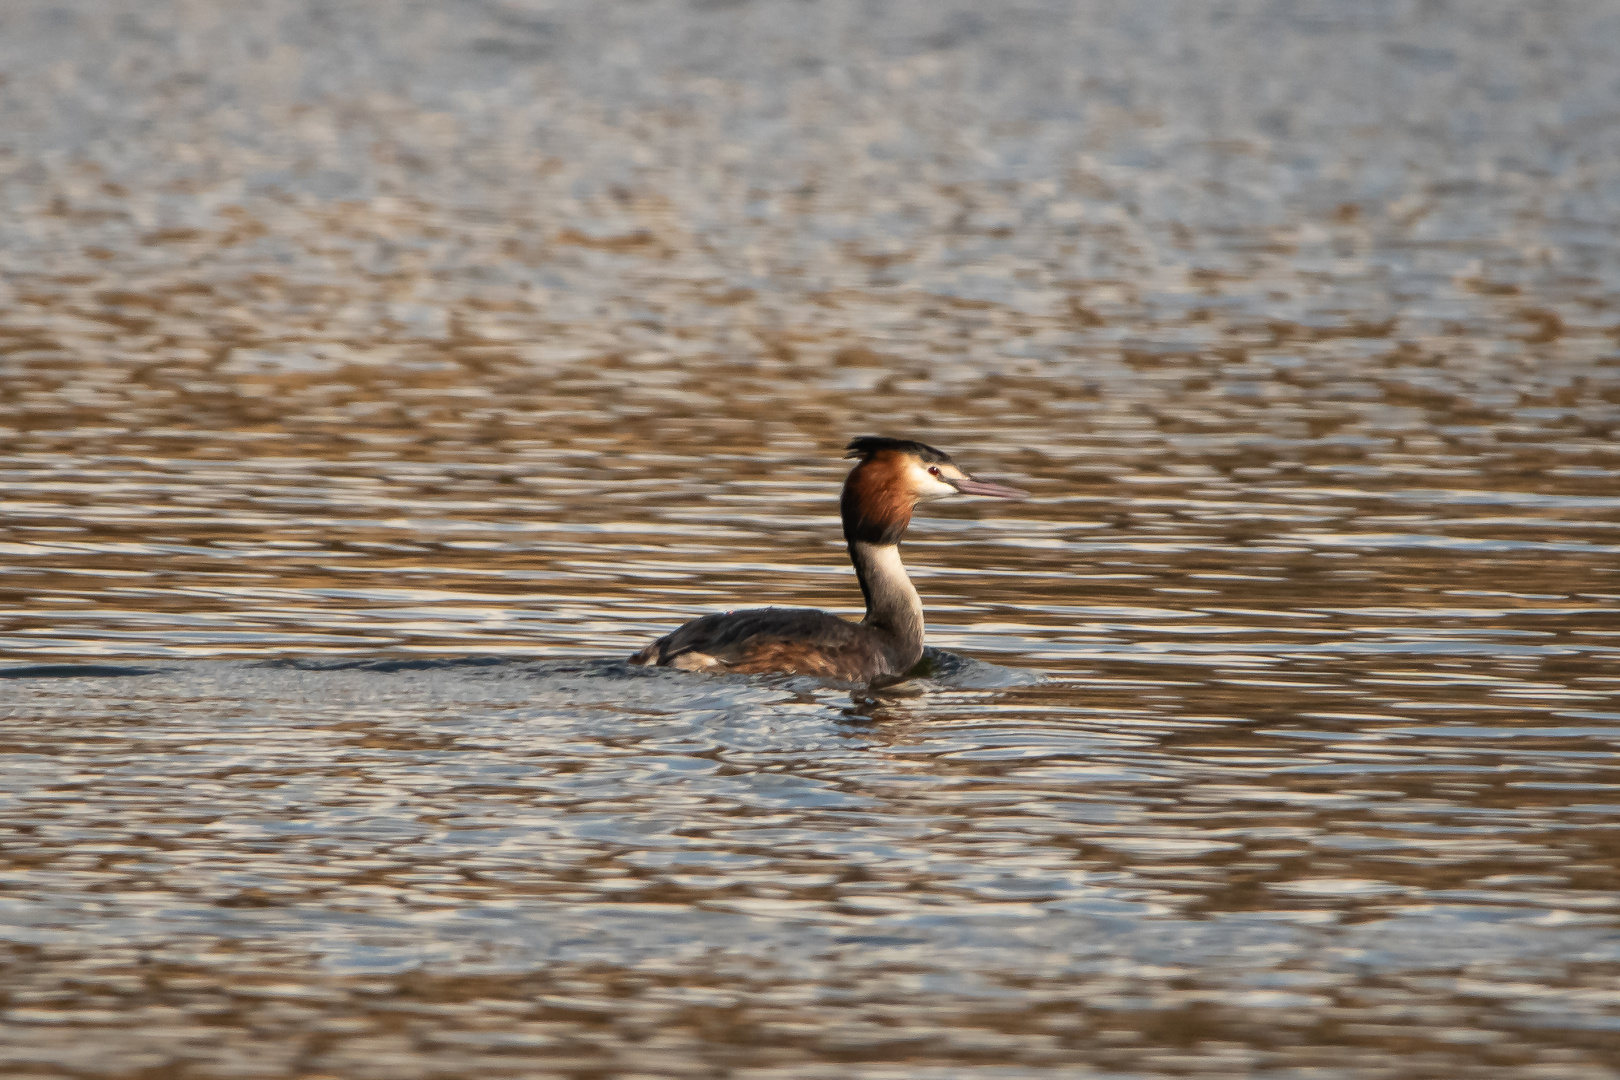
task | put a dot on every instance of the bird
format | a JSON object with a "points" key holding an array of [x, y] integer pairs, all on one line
{"points": [[890, 477]]}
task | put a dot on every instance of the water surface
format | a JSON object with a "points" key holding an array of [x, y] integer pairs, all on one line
{"points": [[374, 378]]}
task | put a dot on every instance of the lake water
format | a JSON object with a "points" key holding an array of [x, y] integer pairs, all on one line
{"points": [[375, 377]]}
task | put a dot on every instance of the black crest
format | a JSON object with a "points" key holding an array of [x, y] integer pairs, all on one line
{"points": [[867, 446]]}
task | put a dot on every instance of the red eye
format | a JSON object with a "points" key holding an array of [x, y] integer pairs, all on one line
{"points": [[933, 470]]}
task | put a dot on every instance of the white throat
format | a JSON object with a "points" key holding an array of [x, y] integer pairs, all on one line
{"points": [[891, 600]]}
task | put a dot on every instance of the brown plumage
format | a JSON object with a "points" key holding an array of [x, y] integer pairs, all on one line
{"points": [[876, 504], [883, 488]]}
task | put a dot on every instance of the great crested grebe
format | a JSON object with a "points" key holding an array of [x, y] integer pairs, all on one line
{"points": [[890, 479]]}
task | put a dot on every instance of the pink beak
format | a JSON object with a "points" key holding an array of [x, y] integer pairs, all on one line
{"points": [[969, 486]]}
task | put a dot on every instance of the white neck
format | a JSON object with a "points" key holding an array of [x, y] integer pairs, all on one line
{"points": [[892, 603]]}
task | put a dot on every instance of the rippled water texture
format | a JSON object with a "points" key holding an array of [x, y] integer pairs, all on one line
{"points": [[374, 377]]}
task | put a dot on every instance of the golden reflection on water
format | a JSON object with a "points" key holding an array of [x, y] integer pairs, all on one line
{"points": [[520, 333]]}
